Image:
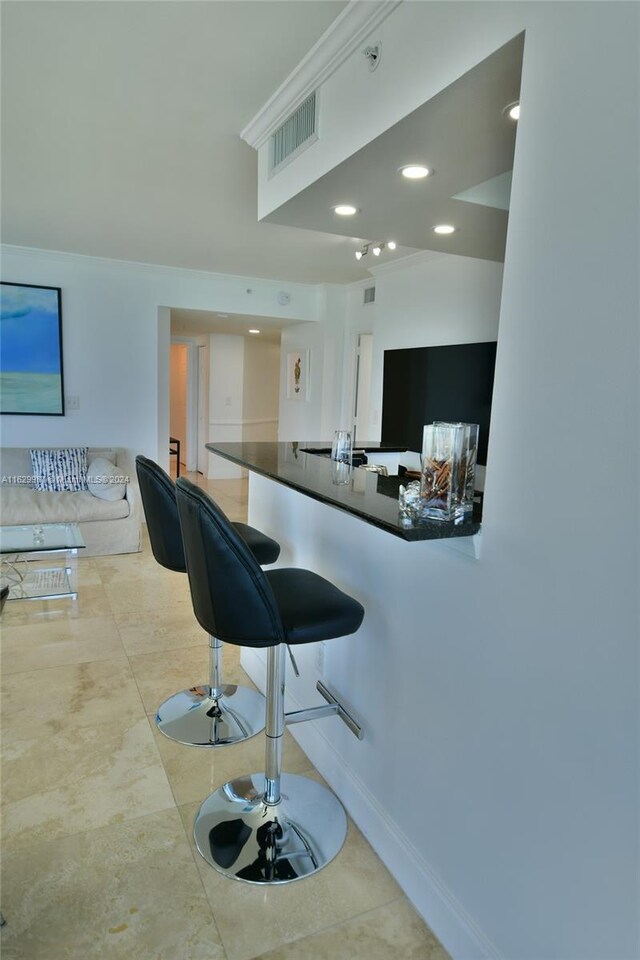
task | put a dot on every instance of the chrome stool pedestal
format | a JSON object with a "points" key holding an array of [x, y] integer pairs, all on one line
{"points": [[271, 828], [244, 837], [214, 714]]}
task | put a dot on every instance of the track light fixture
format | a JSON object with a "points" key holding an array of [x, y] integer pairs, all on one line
{"points": [[376, 248]]}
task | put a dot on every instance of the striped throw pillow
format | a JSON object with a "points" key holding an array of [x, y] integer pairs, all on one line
{"points": [[63, 469]]}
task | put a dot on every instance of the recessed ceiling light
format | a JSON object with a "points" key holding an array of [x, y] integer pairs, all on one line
{"points": [[444, 228], [512, 110], [391, 244], [254, 331], [345, 210], [414, 171]]}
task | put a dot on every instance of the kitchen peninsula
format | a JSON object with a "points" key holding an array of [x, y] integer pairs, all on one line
{"points": [[307, 468], [408, 673]]}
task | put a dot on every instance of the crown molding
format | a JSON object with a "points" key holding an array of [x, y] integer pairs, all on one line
{"points": [[343, 36], [157, 269], [362, 284]]}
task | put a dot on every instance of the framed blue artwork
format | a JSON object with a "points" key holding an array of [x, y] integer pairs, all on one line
{"points": [[31, 350]]}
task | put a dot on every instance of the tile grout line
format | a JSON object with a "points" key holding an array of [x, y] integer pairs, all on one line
{"points": [[193, 854], [331, 926], [176, 806]]}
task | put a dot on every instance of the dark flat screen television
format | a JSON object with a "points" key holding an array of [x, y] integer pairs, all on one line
{"points": [[423, 384]]}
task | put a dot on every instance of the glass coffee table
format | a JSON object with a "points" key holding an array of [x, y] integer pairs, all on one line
{"points": [[23, 569]]}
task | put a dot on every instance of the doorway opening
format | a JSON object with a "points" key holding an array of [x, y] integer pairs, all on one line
{"points": [[224, 385], [362, 387]]}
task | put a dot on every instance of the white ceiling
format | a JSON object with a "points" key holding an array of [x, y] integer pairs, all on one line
{"points": [[120, 132], [120, 139], [194, 322]]}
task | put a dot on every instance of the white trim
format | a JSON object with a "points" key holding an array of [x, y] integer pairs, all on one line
{"points": [[240, 423], [363, 284], [445, 915], [342, 37], [158, 269]]}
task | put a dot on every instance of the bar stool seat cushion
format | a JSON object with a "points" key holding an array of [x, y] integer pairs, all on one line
{"points": [[264, 549], [312, 608]]}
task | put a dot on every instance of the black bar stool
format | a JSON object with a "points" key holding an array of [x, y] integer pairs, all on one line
{"points": [[270, 827], [213, 714]]}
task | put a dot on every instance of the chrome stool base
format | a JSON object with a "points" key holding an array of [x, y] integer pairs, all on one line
{"points": [[247, 839], [197, 719]]}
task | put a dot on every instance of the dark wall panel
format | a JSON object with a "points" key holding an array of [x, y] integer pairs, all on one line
{"points": [[424, 384]]}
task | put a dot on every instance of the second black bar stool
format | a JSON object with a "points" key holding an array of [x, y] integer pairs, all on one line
{"points": [[217, 713], [270, 827]]}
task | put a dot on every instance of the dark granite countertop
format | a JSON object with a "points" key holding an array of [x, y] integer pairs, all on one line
{"points": [[368, 496]]}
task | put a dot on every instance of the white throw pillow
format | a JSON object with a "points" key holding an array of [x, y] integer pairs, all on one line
{"points": [[105, 480], [59, 469]]}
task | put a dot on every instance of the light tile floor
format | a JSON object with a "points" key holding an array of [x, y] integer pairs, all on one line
{"points": [[97, 806]]}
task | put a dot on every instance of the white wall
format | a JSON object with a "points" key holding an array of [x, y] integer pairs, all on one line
{"points": [[317, 417], [261, 389], [301, 419], [244, 377], [531, 820], [226, 384], [116, 331]]}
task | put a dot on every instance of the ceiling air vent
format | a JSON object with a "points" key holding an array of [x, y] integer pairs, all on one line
{"points": [[296, 134], [369, 295]]}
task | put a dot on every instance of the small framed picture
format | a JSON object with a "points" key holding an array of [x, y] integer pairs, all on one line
{"points": [[298, 375]]}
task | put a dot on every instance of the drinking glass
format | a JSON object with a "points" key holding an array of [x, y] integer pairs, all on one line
{"points": [[342, 448], [340, 472]]}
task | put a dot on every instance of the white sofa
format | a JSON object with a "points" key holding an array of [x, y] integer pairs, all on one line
{"points": [[107, 526]]}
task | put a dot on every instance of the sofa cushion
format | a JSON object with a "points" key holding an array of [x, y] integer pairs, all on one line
{"points": [[15, 463], [22, 505], [60, 469], [105, 480]]}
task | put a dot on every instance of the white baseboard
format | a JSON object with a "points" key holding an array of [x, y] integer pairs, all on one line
{"points": [[429, 895]]}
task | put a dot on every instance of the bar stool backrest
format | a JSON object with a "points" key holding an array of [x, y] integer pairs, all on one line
{"points": [[232, 598], [158, 494]]}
